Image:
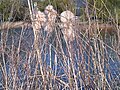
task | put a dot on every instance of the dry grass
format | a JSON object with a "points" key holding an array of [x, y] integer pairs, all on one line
{"points": [[31, 60]]}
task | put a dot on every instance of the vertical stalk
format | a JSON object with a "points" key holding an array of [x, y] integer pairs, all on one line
{"points": [[50, 66], [3, 40], [72, 65], [50, 57], [36, 38]]}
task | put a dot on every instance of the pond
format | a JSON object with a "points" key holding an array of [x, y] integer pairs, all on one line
{"points": [[94, 62]]}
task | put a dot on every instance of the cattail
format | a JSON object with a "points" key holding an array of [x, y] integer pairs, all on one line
{"points": [[51, 17], [40, 19], [67, 18]]}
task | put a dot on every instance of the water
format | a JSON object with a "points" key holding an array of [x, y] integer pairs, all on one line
{"points": [[26, 38], [79, 4]]}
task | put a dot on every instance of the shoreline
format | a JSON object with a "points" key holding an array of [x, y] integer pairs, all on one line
{"points": [[82, 25], [10, 25]]}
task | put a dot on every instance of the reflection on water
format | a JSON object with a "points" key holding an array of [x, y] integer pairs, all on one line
{"points": [[24, 39]]}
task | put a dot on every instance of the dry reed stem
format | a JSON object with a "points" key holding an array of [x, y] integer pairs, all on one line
{"points": [[36, 42], [80, 72]]}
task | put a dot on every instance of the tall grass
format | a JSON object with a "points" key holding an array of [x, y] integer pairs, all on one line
{"points": [[41, 60]]}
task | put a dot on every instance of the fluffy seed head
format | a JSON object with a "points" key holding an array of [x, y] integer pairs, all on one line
{"points": [[66, 16]]}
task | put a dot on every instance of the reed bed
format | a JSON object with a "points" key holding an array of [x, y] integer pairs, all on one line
{"points": [[87, 59]]}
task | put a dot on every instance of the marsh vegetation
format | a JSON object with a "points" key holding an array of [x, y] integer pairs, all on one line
{"points": [[79, 53]]}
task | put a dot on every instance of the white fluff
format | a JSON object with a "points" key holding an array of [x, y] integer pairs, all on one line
{"points": [[51, 13], [41, 16], [51, 17], [39, 20], [48, 9], [66, 16]]}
